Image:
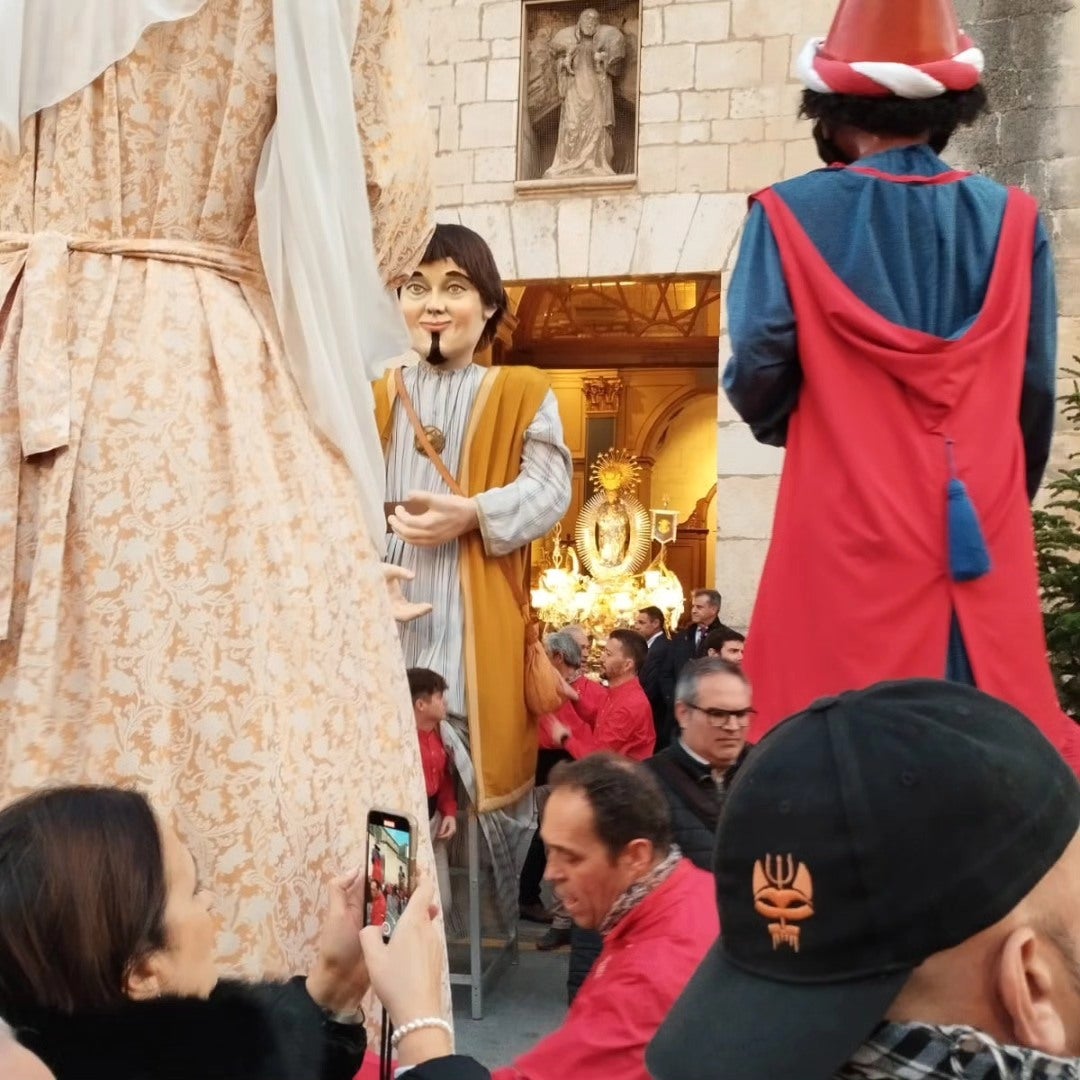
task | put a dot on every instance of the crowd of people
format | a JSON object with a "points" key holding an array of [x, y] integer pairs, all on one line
{"points": [[836, 960], [850, 854]]}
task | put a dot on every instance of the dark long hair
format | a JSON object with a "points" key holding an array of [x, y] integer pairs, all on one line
{"points": [[82, 896], [939, 116]]}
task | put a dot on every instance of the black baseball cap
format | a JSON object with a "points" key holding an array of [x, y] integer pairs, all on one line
{"points": [[861, 837]]}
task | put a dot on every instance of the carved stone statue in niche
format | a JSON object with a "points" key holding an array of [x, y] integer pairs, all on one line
{"points": [[579, 107], [587, 57]]}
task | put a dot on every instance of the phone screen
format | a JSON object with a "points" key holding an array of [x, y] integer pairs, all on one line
{"points": [[390, 860]]}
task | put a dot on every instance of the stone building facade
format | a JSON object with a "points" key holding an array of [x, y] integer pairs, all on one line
{"points": [[1032, 136], [716, 121]]}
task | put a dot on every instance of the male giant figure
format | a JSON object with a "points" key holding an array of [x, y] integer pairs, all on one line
{"points": [[498, 433], [893, 324]]}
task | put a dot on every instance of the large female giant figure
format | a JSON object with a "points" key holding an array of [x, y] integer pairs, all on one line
{"points": [[191, 600]]}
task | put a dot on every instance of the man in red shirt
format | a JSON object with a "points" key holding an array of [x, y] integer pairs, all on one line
{"points": [[567, 657], [607, 828], [591, 695], [566, 653], [377, 907], [624, 723]]}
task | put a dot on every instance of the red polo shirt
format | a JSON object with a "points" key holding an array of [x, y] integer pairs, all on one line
{"points": [[624, 724], [438, 779], [591, 699]]}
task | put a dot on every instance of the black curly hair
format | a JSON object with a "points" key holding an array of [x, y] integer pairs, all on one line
{"points": [[940, 116]]}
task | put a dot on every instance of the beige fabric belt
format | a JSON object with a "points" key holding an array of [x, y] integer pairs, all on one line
{"points": [[35, 368]]}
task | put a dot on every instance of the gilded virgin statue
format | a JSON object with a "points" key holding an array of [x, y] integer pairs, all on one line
{"points": [[613, 529]]}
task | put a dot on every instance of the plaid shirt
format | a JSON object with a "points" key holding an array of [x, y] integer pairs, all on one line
{"points": [[923, 1052]]}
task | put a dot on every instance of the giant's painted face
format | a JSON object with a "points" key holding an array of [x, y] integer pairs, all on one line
{"points": [[440, 303]]}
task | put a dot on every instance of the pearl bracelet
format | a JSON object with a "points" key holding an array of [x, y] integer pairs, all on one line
{"points": [[419, 1025]]}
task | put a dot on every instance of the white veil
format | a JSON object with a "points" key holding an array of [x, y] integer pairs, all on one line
{"points": [[49, 49], [342, 327]]}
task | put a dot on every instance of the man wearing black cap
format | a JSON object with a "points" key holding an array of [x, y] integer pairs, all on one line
{"points": [[897, 876]]}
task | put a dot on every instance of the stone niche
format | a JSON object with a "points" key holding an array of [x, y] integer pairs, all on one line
{"points": [[579, 94]]}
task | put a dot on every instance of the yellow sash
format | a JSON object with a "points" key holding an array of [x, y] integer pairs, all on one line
{"points": [[502, 734]]}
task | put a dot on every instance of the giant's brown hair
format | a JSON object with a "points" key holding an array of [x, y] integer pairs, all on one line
{"points": [[471, 252], [82, 896]]}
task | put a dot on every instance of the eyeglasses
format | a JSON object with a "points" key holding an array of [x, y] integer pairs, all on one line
{"points": [[723, 717]]}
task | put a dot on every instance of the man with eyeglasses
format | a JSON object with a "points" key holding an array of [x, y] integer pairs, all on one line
{"points": [[713, 708]]}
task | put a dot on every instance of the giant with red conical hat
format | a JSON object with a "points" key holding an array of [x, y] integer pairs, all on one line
{"points": [[876, 48], [893, 324]]}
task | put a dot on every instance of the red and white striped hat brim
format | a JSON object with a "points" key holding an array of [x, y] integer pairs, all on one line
{"points": [[869, 78]]}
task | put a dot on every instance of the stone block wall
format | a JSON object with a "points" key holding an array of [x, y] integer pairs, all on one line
{"points": [[1032, 136], [717, 121]]}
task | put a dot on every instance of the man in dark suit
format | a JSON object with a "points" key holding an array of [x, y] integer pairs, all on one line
{"points": [[689, 644], [657, 679]]}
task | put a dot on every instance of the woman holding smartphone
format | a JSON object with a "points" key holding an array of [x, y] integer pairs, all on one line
{"points": [[107, 968]]}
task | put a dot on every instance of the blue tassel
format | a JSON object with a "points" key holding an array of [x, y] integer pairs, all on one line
{"points": [[968, 555]]}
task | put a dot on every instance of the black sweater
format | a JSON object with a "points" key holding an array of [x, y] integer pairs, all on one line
{"points": [[263, 1031], [694, 798]]}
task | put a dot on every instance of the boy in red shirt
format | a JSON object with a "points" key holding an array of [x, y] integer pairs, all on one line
{"points": [[428, 690]]}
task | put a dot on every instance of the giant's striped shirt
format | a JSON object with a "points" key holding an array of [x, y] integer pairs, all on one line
{"points": [[510, 517]]}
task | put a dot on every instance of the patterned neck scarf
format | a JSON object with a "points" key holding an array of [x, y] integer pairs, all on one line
{"points": [[639, 890], [925, 1052]]}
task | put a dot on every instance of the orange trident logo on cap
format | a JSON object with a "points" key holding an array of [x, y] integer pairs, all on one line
{"points": [[783, 891]]}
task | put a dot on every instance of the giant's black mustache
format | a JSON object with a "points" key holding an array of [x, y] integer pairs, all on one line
{"points": [[435, 355]]}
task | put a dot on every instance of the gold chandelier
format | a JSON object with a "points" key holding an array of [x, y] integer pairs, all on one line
{"points": [[614, 535]]}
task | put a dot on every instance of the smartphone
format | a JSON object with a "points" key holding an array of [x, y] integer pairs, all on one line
{"points": [[391, 867]]}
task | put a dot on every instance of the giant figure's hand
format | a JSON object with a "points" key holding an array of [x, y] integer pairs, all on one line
{"points": [[404, 610], [444, 518]]}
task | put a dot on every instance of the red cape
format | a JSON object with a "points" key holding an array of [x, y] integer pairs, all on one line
{"points": [[856, 587]]}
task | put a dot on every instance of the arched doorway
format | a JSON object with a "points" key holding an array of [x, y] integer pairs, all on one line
{"points": [[633, 364]]}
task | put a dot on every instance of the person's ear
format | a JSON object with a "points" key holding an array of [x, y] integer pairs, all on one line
{"points": [[1029, 993], [489, 311], [638, 856], [682, 713], [144, 979]]}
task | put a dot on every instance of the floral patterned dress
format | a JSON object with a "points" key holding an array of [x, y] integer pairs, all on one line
{"points": [[189, 602]]}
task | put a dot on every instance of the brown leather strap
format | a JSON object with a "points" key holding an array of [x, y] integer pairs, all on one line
{"points": [[520, 596], [422, 435]]}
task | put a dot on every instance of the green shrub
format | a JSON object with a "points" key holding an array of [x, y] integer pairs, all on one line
{"points": [[1057, 540]]}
